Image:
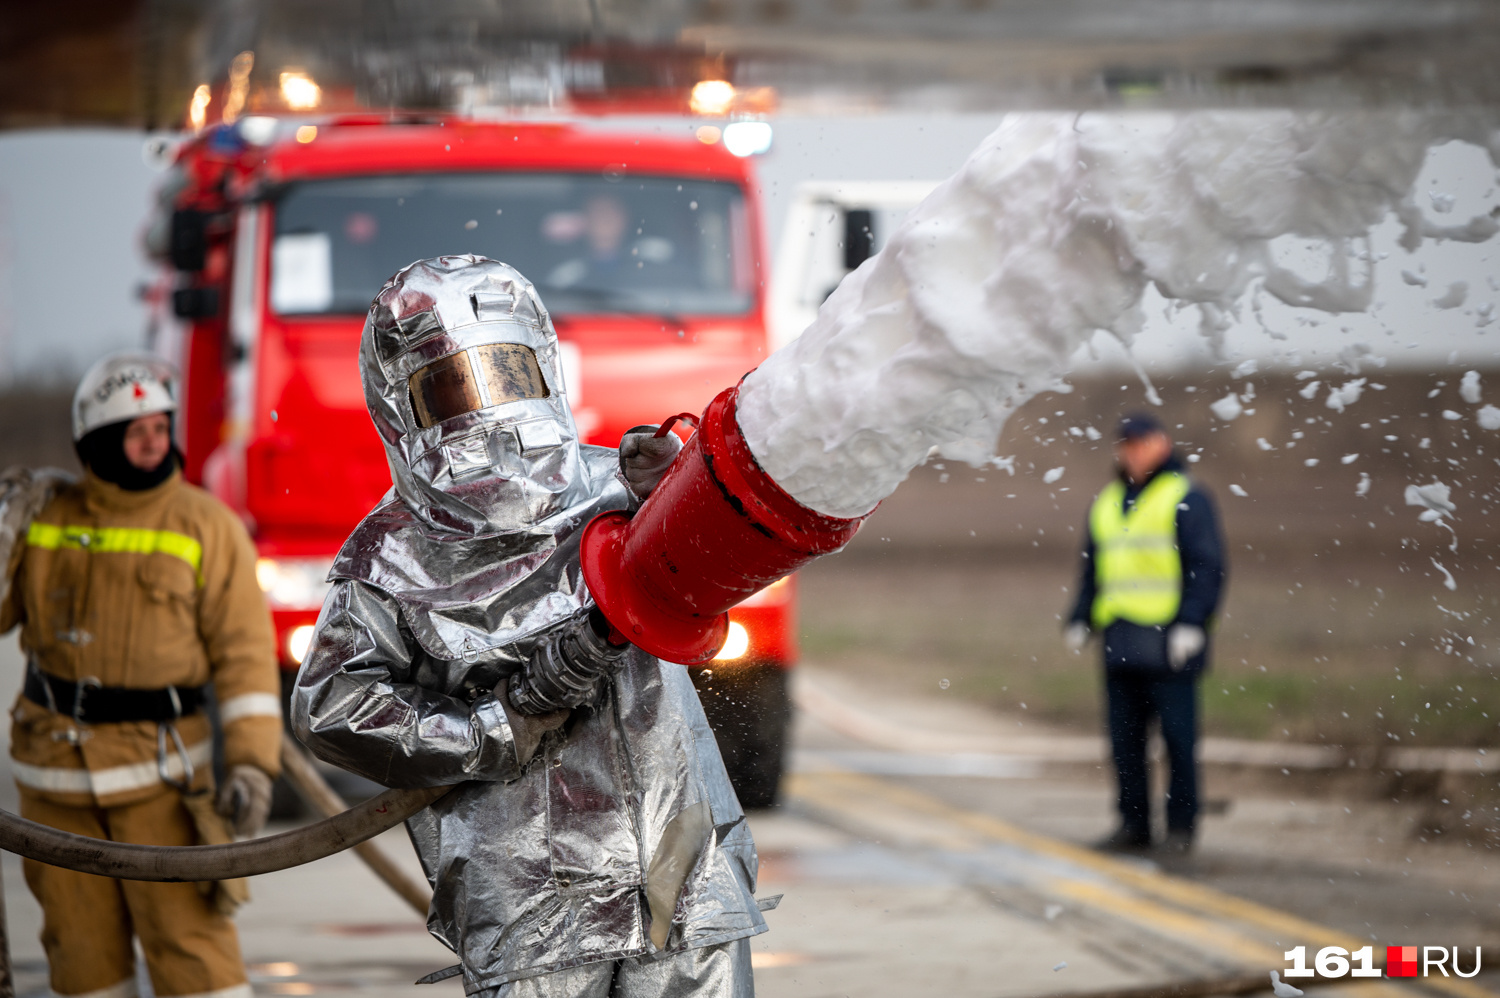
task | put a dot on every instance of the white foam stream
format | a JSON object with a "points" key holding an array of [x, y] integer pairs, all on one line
{"points": [[1053, 230]]}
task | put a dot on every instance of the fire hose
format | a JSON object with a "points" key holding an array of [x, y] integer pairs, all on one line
{"points": [[297, 767], [129, 861]]}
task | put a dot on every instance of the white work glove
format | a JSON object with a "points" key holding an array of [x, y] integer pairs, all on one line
{"points": [[245, 799], [645, 457], [1183, 642], [1076, 636]]}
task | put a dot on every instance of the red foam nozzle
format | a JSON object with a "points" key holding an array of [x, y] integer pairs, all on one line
{"points": [[715, 531]]}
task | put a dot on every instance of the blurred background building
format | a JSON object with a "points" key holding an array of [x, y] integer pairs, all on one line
{"points": [[853, 89]]}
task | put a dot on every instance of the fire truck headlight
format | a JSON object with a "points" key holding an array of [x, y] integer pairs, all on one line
{"points": [[258, 129], [747, 138], [735, 645], [298, 641], [293, 583]]}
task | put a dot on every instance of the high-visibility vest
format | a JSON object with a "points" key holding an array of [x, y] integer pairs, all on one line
{"points": [[1137, 568]]}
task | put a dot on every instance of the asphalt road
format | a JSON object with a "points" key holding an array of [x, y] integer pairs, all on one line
{"points": [[949, 873], [977, 864]]}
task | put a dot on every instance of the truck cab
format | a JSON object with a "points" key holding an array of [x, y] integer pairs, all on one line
{"points": [[832, 226], [648, 252]]}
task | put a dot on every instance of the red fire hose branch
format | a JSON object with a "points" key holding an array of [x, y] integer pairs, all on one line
{"points": [[716, 530], [127, 861]]}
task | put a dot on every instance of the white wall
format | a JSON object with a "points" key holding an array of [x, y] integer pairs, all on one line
{"points": [[72, 204]]}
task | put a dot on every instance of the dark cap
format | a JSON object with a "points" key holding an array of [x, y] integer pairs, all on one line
{"points": [[1138, 425]]}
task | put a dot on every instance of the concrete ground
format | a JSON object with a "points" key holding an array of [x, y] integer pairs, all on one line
{"points": [[1324, 845], [949, 873]]}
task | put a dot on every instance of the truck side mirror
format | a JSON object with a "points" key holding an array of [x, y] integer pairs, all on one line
{"points": [[188, 245], [195, 303], [859, 236]]}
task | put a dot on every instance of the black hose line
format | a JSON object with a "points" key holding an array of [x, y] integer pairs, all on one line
{"points": [[128, 861]]}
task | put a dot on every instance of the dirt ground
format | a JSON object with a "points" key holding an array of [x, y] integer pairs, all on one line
{"points": [[1319, 660], [1337, 625], [35, 428]]}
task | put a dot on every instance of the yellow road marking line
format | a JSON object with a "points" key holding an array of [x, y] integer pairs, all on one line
{"points": [[857, 803], [1213, 936], [1184, 893]]}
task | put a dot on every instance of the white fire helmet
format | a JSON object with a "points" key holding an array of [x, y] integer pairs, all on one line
{"points": [[120, 387]]}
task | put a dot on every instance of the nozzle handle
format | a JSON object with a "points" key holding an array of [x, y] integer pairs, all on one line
{"points": [[666, 427]]}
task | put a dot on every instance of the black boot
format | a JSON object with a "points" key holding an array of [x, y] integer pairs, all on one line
{"points": [[1125, 839], [1179, 841]]}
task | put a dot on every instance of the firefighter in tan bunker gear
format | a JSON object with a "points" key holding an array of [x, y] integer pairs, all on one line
{"points": [[135, 590]]}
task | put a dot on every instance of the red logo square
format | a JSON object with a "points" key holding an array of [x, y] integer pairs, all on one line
{"points": [[1402, 961]]}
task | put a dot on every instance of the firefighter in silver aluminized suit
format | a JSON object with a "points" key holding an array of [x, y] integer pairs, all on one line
{"points": [[594, 846]]}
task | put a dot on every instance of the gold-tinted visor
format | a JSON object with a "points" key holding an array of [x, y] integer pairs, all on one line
{"points": [[476, 378]]}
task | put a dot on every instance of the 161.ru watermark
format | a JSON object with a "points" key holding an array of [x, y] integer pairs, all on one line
{"points": [[1400, 961]]}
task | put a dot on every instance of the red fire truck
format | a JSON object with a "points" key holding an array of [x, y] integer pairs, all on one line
{"points": [[647, 250]]}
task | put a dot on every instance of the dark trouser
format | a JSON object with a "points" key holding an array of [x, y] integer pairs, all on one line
{"points": [[1134, 697]]}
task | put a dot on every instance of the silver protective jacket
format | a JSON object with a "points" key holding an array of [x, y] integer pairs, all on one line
{"points": [[465, 571]]}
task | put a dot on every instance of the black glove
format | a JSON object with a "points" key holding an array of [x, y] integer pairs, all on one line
{"points": [[565, 667]]}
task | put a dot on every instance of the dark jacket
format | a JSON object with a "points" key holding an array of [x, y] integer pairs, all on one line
{"points": [[1132, 646]]}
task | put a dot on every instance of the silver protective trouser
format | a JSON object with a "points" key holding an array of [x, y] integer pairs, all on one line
{"points": [[721, 971]]}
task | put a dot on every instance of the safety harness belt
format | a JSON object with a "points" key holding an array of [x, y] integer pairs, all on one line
{"points": [[90, 703]]}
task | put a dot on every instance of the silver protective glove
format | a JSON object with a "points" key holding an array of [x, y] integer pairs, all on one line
{"points": [[527, 730], [1076, 636], [245, 799], [565, 668], [1183, 642], [645, 457]]}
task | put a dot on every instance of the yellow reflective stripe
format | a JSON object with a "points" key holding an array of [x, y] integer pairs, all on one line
{"points": [[117, 540], [44, 535]]}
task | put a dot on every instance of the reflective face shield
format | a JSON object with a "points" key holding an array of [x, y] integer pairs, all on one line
{"points": [[476, 378]]}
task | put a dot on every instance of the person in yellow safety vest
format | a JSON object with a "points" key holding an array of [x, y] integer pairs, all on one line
{"points": [[135, 591], [1151, 579]]}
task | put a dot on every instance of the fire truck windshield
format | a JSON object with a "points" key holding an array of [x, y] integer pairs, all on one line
{"points": [[590, 243]]}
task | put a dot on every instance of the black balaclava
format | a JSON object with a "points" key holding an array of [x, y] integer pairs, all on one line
{"points": [[102, 451]]}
